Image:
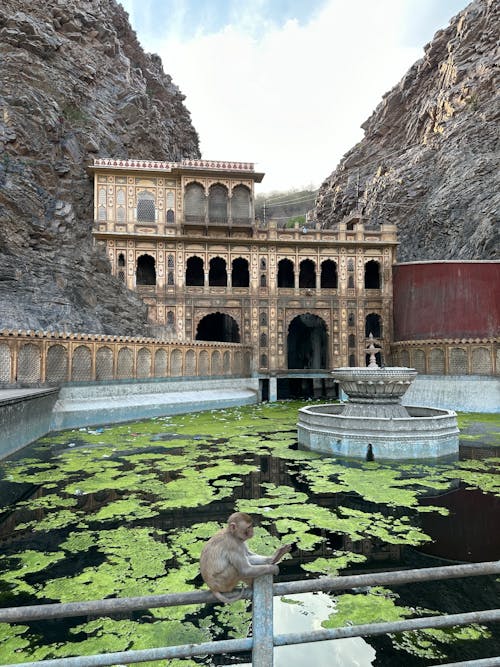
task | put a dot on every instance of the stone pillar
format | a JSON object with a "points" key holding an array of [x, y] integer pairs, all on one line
{"points": [[273, 390]]}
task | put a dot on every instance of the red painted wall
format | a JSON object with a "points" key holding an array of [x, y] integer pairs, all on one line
{"points": [[446, 300]]}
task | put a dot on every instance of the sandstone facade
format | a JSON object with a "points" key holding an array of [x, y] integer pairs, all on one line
{"points": [[74, 84], [429, 159]]}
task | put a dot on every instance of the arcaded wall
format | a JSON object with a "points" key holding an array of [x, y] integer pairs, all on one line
{"points": [[434, 300]]}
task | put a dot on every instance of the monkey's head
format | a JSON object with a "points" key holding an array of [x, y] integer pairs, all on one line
{"points": [[240, 525]]}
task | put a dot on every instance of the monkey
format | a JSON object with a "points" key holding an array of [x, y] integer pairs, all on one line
{"points": [[225, 559]]}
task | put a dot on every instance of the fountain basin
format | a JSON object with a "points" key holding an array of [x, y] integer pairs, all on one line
{"points": [[423, 433]]}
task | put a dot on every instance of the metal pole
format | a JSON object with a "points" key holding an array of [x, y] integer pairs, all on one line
{"points": [[262, 622]]}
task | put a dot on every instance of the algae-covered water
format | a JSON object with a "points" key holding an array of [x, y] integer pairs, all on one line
{"points": [[125, 510]]}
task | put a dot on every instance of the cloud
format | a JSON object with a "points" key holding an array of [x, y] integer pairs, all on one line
{"points": [[290, 97]]}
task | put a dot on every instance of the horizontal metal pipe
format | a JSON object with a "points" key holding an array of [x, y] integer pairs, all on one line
{"points": [[120, 605], [483, 662], [238, 645], [396, 578], [370, 629], [144, 655]]}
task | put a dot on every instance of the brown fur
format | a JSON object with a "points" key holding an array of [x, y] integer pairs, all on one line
{"points": [[226, 559]]}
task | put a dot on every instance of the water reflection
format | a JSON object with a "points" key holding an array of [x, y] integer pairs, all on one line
{"points": [[305, 612]]}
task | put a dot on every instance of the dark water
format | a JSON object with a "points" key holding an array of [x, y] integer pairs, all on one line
{"points": [[468, 533]]}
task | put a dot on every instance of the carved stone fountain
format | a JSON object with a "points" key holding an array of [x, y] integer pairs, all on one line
{"points": [[373, 422]]}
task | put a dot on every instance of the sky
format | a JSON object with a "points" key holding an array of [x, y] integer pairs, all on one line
{"points": [[285, 84]]}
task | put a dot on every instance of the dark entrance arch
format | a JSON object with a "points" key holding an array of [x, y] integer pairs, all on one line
{"points": [[146, 272], [219, 327], [307, 342]]}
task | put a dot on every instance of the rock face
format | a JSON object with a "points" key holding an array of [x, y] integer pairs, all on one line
{"points": [[429, 159], [74, 84]]}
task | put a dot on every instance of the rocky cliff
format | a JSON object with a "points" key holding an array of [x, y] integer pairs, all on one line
{"points": [[429, 158], [74, 84]]}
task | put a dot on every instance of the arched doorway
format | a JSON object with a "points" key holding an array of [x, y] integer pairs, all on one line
{"points": [[217, 275], [307, 342], [218, 327], [146, 272], [307, 345]]}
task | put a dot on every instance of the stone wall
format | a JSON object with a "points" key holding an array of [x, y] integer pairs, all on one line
{"points": [[34, 358]]}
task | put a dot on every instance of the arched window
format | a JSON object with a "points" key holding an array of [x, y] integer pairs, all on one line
{"points": [[263, 360], [217, 275], [120, 197], [263, 265], [170, 278], [372, 275], [307, 274], [350, 320], [240, 276], [170, 216], [263, 280], [329, 274], [195, 276], [146, 272], [121, 259], [350, 265], [263, 319], [240, 205], [350, 282], [373, 325], [217, 204], [352, 340], [263, 340], [146, 207], [286, 276], [170, 321], [352, 360], [120, 214], [194, 203]]}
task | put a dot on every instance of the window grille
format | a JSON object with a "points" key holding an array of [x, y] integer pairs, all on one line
{"points": [[240, 204], [217, 204], [120, 197], [120, 214], [146, 207], [82, 364], [28, 364], [194, 203], [5, 363], [57, 364], [104, 363], [481, 361], [143, 363], [170, 262], [161, 360]]}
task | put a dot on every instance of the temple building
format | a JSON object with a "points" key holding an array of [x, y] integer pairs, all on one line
{"points": [[184, 236]]}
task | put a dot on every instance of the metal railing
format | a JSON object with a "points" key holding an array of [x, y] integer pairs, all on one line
{"points": [[263, 640]]}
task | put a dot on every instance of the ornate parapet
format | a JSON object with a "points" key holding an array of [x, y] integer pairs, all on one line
{"points": [[449, 356], [37, 358]]}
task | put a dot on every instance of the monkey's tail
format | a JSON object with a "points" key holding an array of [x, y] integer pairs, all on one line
{"points": [[234, 596]]}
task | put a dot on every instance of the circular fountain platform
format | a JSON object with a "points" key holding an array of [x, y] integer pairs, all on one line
{"points": [[373, 421]]}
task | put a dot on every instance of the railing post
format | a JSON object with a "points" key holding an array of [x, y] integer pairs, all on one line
{"points": [[262, 622]]}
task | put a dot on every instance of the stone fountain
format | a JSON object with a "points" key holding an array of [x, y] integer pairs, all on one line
{"points": [[373, 423]]}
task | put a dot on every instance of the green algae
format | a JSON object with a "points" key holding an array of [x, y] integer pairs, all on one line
{"points": [[376, 606], [339, 560]]}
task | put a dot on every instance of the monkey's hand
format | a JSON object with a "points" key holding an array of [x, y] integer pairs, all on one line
{"points": [[280, 552]]}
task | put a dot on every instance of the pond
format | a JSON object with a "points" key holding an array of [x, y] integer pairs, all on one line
{"points": [[125, 510]]}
